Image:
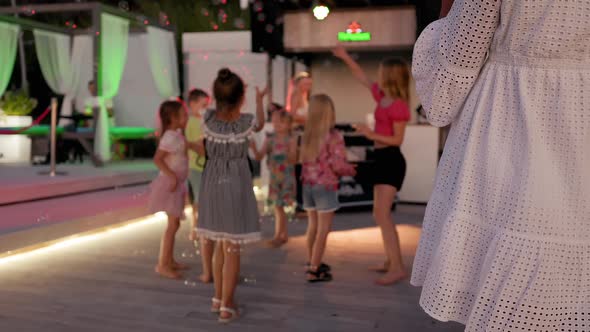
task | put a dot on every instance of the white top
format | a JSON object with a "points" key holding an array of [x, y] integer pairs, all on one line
{"points": [[174, 143], [506, 238]]}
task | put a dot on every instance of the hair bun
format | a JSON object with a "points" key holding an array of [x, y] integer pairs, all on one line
{"points": [[224, 73]]}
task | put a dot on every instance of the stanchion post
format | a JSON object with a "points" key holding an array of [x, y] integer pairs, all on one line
{"points": [[53, 142], [53, 136]]}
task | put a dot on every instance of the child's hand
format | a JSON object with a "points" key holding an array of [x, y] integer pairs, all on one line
{"points": [[340, 52], [260, 94], [363, 129], [197, 146]]}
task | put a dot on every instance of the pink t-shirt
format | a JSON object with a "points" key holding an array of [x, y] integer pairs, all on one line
{"points": [[397, 111]]}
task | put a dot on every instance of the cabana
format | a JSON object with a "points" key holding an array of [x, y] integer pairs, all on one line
{"points": [[61, 61]]}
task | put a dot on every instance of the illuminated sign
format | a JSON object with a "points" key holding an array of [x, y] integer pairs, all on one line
{"points": [[354, 33]]}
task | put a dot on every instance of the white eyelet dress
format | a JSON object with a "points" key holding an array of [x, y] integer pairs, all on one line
{"points": [[227, 206], [506, 236]]}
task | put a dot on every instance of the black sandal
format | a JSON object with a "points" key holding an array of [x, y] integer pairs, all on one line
{"points": [[319, 276], [323, 267]]}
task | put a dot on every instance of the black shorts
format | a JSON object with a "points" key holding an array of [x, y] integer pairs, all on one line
{"points": [[390, 167]]}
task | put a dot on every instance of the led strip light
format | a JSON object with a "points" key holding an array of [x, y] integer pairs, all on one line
{"points": [[92, 235], [84, 237]]}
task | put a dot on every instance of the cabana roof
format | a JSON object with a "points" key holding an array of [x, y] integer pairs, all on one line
{"points": [[96, 8]]}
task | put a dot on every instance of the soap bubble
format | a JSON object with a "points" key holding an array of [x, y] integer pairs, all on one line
{"points": [[239, 23], [187, 254], [251, 279], [221, 15], [261, 17], [235, 250], [42, 218], [28, 11], [269, 28], [258, 6], [190, 283], [124, 5]]}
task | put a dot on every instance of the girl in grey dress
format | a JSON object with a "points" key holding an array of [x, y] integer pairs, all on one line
{"points": [[228, 210]]}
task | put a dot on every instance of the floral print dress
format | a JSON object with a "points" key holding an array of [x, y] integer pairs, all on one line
{"points": [[281, 190]]}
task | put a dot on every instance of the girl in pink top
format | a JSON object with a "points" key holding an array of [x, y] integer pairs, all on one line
{"points": [[323, 156], [168, 190], [391, 116]]}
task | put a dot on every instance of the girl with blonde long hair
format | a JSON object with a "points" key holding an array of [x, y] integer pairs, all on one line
{"points": [[323, 156], [391, 93]]}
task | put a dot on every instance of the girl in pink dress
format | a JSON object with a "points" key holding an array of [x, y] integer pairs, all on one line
{"points": [[168, 190]]}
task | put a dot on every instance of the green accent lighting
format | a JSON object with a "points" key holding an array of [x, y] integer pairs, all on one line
{"points": [[354, 37]]}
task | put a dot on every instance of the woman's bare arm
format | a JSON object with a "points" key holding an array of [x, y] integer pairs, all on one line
{"points": [[356, 70]]}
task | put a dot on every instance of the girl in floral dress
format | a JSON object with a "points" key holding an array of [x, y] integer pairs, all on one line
{"points": [[280, 149]]}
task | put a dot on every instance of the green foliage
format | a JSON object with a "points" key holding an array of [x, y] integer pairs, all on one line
{"points": [[200, 15], [17, 103]]}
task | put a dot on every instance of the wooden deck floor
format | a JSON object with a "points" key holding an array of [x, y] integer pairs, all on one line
{"points": [[107, 284]]}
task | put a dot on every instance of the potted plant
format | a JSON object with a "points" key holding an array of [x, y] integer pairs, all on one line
{"points": [[15, 108], [17, 104]]}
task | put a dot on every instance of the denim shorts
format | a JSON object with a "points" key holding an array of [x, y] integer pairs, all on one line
{"points": [[319, 198]]}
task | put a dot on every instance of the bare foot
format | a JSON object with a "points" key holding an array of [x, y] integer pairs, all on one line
{"points": [[391, 278], [275, 243], [205, 278], [180, 266], [380, 268], [167, 272]]}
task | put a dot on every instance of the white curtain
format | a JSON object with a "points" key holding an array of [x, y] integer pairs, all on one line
{"points": [[162, 56], [114, 39], [60, 64], [8, 43], [84, 45]]}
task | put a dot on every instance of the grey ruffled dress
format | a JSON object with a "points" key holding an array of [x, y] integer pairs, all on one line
{"points": [[228, 209]]}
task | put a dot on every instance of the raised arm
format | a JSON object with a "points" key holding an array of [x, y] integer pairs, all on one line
{"points": [[356, 70], [260, 109], [449, 55], [259, 154]]}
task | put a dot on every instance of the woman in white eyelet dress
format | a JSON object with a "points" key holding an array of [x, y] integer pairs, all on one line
{"points": [[506, 236]]}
